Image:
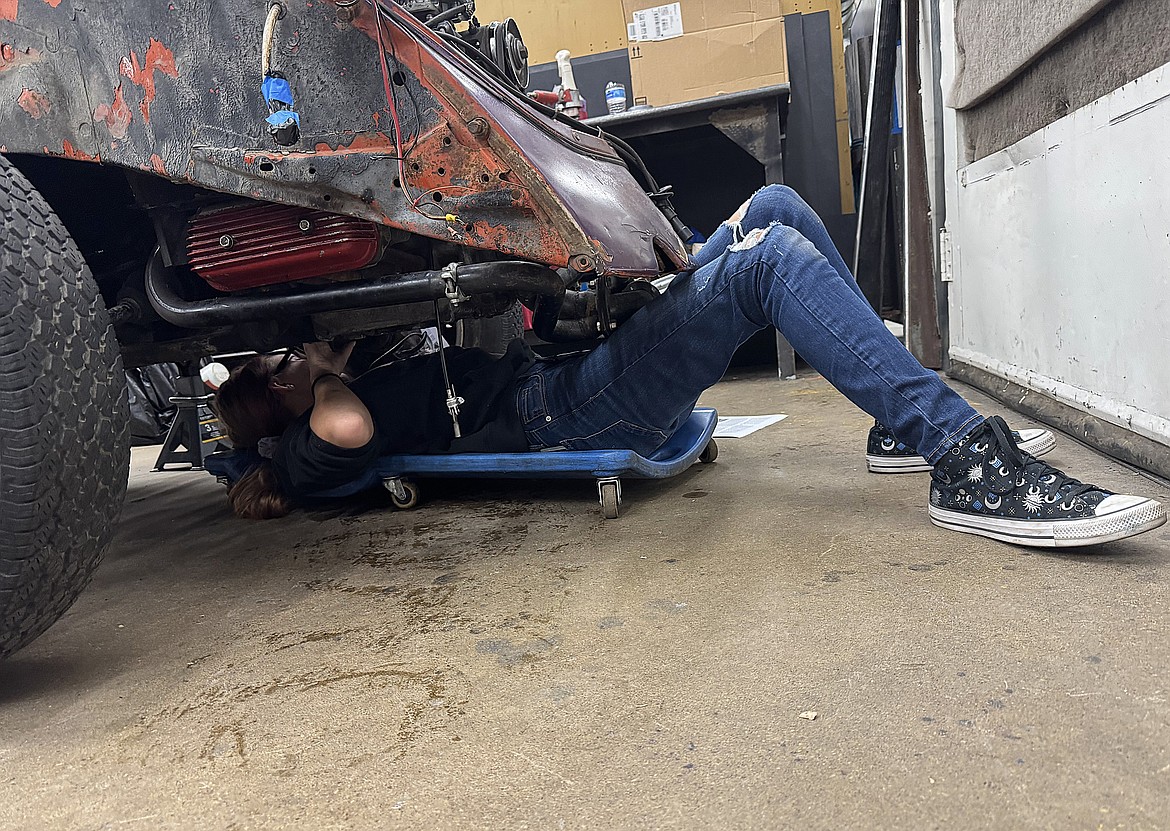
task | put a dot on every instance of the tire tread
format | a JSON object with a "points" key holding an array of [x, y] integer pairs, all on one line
{"points": [[64, 445]]}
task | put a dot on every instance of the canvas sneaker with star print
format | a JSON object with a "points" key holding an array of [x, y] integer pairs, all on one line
{"points": [[885, 454], [986, 485]]}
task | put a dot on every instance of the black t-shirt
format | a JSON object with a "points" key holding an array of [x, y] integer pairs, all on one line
{"points": [[408, 403]]}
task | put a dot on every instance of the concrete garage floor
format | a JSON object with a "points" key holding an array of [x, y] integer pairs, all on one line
{"points": [[503, 658]]}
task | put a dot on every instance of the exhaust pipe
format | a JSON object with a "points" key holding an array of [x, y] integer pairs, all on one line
{"points": [[579, 319], [384, 290]]}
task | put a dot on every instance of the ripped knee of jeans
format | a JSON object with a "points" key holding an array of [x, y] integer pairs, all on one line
{"points": [[735, 221], [752, 238]]}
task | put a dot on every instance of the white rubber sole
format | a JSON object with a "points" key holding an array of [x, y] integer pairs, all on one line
{"points": [[1034, 442], [897, 464], [1133, 516]]}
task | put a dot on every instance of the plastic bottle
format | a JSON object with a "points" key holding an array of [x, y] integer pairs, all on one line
{"points": [[615, 97]]}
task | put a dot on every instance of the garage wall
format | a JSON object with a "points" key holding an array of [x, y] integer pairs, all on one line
{"points": [[996, 39], [1047, 68], [1060, 301], [1062, 259]]}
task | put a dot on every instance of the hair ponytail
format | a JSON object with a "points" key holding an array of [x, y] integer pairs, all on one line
{"points": [[257, 495]]}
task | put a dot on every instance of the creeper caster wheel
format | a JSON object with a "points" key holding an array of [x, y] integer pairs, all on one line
{"points": [[609, 492], [403, 493]]}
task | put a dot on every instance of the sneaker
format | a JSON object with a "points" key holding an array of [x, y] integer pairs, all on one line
{"points": [[985, 485], [885, 454]]}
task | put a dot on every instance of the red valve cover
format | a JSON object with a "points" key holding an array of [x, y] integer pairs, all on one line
{"points": [[260, 245]]}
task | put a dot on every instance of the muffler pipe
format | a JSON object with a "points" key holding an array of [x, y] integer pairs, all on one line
{"points": [[579, 315], [384, 290]]}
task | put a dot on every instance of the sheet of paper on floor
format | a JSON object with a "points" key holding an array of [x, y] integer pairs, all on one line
{"points": [[736, 427]]}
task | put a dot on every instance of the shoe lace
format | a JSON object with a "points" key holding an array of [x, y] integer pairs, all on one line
{"points": [[1020, 461]]}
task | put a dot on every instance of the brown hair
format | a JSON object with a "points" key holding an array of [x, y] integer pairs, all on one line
{"points": [[247, 406], [257, 495], [250, 411]]}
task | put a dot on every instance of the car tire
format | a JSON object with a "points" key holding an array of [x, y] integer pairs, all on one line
{"points": [[64, 427]]}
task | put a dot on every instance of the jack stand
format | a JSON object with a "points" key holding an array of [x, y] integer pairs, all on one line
{"points": [[195, 427]]}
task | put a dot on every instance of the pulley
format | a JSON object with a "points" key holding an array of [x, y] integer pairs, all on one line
{"points": [[503, 44]]}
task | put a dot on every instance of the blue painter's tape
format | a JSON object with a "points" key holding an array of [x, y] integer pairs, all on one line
{"points": [[278, 97], [278, 91], [282, 117]]}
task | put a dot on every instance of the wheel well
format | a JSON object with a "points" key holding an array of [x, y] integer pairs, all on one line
{"points": [[117, 218], [97, 206]]}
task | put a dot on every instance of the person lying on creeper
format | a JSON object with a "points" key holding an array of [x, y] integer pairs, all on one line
{"points": [[771, 264]]}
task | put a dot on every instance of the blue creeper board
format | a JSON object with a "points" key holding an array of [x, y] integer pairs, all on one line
{"points": [[608, 467]]}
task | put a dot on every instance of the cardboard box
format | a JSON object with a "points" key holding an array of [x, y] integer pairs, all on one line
{"points": [[584, 27], [701, 15], [726, 46]]}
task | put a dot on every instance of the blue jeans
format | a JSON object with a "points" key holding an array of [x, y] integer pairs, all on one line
{"points": [[637, 387]]}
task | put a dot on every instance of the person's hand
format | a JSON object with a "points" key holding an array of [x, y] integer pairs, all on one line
{"points": [[324, 360]]}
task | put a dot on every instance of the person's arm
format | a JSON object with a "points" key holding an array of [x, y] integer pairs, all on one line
{"points": [[338, 416]]}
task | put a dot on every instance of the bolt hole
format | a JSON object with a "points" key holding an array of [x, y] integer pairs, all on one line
{"points": [[397, 182], [328, 197], [267, 167], [446, 141], [441, 171], [312, 170], [438, 197], [399, 79], [503, 175], [485, 178], [414, 166]]}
